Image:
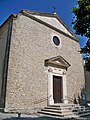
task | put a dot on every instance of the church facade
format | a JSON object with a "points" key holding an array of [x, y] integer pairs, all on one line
{"points": [[40, 62]]}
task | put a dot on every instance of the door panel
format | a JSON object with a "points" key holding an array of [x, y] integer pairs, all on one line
{"points": [[57, 89]]}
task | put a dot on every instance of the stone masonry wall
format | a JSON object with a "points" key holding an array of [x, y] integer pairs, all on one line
{"points": [[87, 85], [31, 45]]}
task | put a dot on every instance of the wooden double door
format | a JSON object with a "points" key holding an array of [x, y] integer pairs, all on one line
{"points": [[57, 89]]}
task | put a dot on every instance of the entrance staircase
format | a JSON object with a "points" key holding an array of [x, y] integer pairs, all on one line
{"points": [[65, 110]]}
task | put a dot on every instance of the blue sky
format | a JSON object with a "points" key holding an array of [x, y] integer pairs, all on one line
{"points": [[63, 9]]}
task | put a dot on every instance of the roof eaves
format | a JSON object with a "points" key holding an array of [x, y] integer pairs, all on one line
{"points": [[10, 17], [38, 13]]}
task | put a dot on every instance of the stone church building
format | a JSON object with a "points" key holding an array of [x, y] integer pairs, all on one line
{"points": [[40, 62]]}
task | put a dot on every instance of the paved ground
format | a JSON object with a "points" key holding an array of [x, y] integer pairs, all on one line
{"points": [[5, 116]]}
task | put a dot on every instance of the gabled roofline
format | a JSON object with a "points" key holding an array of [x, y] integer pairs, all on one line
{"points": [[38, 13], [28, 14], [50, 15], [60, 58], [8, 19]]}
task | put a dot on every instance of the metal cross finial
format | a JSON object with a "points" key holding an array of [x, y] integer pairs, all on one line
{"points": [[54, 11]]}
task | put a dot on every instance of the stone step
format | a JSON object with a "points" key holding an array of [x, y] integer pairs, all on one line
{"points": [[52, 110], [84, 114], [68, 114], [64, 105], [66, 111], [58, 114], [55, 110], [51, 113], [60, 108], [71, 116], [86, 111]]}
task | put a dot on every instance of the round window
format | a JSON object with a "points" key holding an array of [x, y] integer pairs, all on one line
{"points": [[56, 40]]}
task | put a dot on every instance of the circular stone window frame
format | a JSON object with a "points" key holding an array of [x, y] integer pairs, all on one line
{"points": [[57, 46]]}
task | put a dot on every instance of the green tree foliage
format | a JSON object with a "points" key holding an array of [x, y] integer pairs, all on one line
{"points": [[82, 26]]}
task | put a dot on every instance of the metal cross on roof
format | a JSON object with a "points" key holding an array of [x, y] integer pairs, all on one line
{"points": [[54, 11]]}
